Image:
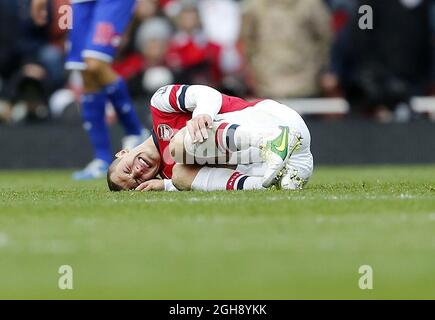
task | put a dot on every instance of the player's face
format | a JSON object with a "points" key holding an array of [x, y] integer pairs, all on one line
{"points": [[136, 166]]}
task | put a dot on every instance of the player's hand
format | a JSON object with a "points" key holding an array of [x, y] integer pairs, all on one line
{"points": [[39, 12], [329, 82], [198, 126], [151, 185]]}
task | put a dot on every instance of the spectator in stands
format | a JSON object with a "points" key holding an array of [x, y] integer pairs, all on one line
{"points": [[144, 47], [287, 44], [341, 11], [226, 35], [31, 62], [8, 50], [381, 69], [152, 41], [191, 56], [144, 11]]}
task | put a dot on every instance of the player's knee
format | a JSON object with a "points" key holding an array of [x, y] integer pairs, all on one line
{"points": [[176, 147], [180, 174], [95, 67], [88, 78]]}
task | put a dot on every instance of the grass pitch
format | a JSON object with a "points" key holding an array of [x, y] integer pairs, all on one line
{"points": [[252, 245]]}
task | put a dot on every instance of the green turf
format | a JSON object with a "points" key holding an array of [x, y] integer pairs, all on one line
{"points": [[251, 245]]}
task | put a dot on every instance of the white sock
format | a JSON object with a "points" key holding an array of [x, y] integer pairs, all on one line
{"points": [[253, 183], [219, 179]]}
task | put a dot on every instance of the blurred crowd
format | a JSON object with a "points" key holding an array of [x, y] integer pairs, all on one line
{"points": [[250, 48]]}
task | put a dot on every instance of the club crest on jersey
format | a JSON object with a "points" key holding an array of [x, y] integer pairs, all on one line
{"points": [[164, 132]]}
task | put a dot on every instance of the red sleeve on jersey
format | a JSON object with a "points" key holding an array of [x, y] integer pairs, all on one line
{"points": [[231, 104]]}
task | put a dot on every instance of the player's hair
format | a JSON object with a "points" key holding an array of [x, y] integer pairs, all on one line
{"points": [[112, 185]]}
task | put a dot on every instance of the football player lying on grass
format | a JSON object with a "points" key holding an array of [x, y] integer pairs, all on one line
{"points": [[204, 140]]}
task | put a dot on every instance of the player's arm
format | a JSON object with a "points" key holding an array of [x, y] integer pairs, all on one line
{"points": [[39, 12], [182, 180], [202, 101], [157, 185]]}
